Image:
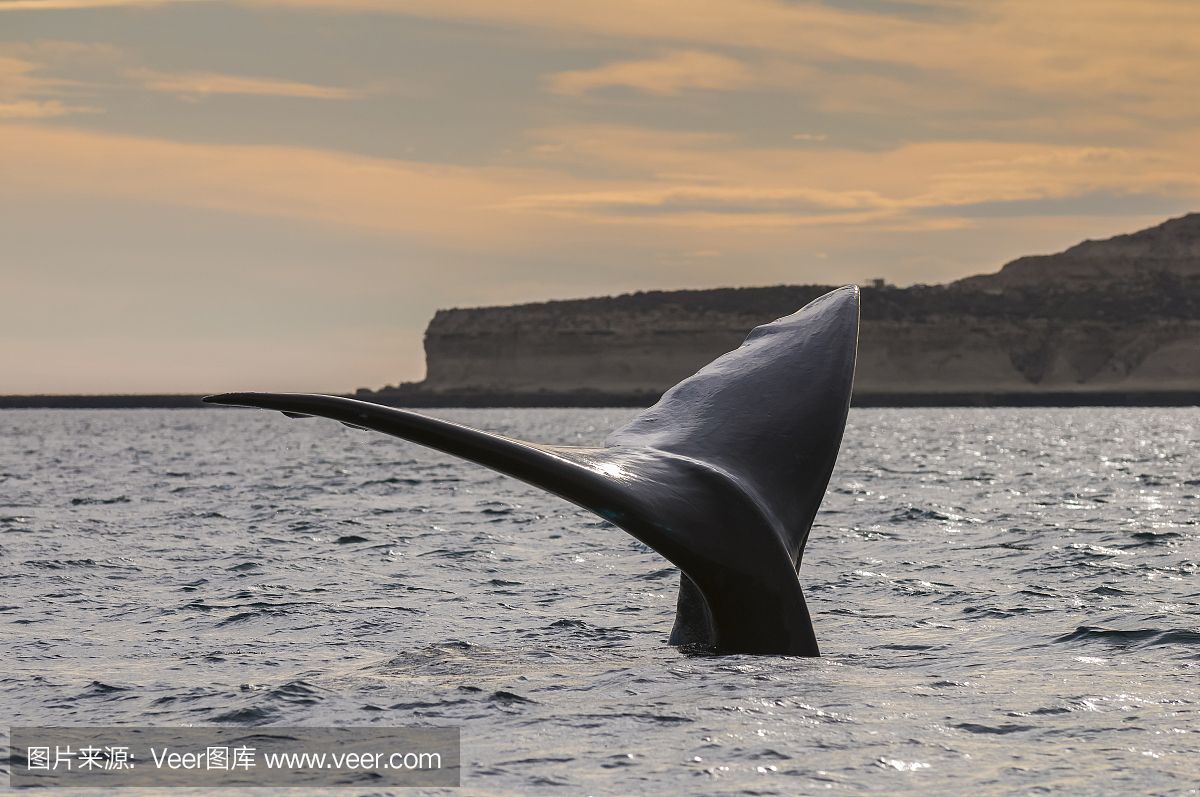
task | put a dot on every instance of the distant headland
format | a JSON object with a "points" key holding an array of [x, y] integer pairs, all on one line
{"points": [[1104, 322], [1112, 322]]}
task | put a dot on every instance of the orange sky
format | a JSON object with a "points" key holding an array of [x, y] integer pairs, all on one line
{"points": [[277, 194]]}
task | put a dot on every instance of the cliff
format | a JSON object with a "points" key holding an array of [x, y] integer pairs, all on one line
{"points": [[1121, 315]]}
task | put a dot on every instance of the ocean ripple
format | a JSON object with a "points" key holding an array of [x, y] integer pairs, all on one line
{"points": [[1005, 600]]}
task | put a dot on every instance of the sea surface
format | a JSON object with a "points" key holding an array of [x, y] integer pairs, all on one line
{"points": [[1008, 602]]}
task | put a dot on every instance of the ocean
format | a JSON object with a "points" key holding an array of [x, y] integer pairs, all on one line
{"points": [[1007, 601]]}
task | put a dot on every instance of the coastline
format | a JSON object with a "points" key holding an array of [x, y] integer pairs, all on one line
{"points": [[479, 400]]}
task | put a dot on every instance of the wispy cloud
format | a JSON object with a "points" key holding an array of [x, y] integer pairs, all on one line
{"points": [[380, 195], [204, 84], [26, 92], [686, 185], [698, 180], [40, 109], [66, 5], [1130, 62], [670, 73], [735, 205]]}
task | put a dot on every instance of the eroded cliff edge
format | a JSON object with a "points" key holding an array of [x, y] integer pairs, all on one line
{"points": [[1114, 316]]}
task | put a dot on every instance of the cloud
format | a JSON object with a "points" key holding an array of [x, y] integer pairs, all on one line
{"points": [[670, 73], [695, 180], [943, 66], [61, 51], [66, 5], [204, 84], [760, 24], [576, 180], [40, 109], [1128, 67], [1131, 63], [26, 92], [735, 205], [431, 202]]}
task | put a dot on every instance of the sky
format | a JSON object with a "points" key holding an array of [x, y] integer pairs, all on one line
{"points": [[278, 194]]}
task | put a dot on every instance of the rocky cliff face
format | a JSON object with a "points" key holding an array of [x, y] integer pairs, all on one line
{"points": [[641, 343], [1122, 314], [1039, 354]]}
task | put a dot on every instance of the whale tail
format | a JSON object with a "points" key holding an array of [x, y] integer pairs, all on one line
{"points": [[723, 476]]}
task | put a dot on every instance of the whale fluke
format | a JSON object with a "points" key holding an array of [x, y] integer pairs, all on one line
{"points": [[723, 476]]}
